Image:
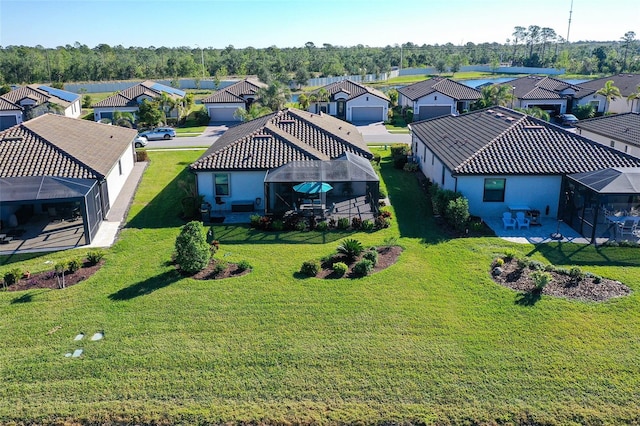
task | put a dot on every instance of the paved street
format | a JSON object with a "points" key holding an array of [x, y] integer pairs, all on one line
{"points": [[371, 133]]}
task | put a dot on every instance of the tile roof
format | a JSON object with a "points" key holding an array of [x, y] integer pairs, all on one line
{"points": [[622, 127], [446, 86], [500, 141], [279, 138], [353, 89], [235, 92], [542, 87], [128, 97], [54, 145], [33, 91], [627, 83], [6, 105]]}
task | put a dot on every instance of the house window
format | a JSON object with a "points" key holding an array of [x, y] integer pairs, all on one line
{"points": [[595, 105], [493, 190], [612, 144], [221, 184], [435, 98], [120, 167]]}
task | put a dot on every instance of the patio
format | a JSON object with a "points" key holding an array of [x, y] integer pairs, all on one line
{"points": [[42, 234], [538, 234]]}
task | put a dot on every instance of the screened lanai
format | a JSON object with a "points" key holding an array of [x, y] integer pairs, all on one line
{"points": [[603, 204], [345, 186]]}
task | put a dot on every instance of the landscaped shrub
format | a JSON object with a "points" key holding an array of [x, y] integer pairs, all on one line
{"points": [[371, 255], [363, 267], [277, 225], [356, 222], [74, 265], [255, 220], [576, 273], [220, 267], [94, 256], [368, 225], [12, 276], [390, 242], [192, 250], [301, 226], [351, 248], [382, 193], [498, 262], [457, 213], [340, 268], [410, 167], [343, 223], [310, 268], [382, 222], [524, 262], [322, 226], [243, 265], [540, 279], [376, 159], [440, 198], [399, 149], [59, 269], [535, 265], [142, 156], [332, 223], [509, 255]]}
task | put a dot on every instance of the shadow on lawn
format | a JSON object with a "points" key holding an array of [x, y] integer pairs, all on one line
{"points": [[587, 255], [145, 287], [26, 297], [529, 298], [242, 234]]}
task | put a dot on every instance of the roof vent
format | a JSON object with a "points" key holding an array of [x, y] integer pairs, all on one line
{"points": [[510, 119], [490, 111], [287, 121], [533, 127], [499, 114]]}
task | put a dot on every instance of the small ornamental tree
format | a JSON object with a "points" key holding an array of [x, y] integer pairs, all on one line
{"points": [[192, 250]]}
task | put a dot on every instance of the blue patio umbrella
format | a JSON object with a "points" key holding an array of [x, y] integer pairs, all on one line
{"points": [[312, 187]]}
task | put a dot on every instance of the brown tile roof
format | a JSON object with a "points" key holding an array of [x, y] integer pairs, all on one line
{"points": [[541, 87], [446, 86], [54, 145], [128, 97], [279, 138], [353, 89], [627, 83], [35, 92], [622, 127], [502, 141], [6, 105], [235, 92]]}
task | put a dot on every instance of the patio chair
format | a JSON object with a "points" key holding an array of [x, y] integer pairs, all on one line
{"points": [[522, 221], [508, 221], [628, 227]]}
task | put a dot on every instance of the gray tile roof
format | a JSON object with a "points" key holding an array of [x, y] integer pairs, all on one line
{"points": [[542, 87], [235, 92], [128, 97], [622, 127], [446, 86], [33, 91], [279, 138], [353, 90], [627, 83], [500, 141], [54, 145]]}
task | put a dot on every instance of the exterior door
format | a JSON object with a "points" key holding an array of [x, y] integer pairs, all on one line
{"points": [[341, 113]]}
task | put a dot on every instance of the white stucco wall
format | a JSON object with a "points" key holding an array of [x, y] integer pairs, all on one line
{"points": [[431, 166], [115, 179], [536, 192], [243, 186], [97, 112], [74, 110], [620, 146], [591, 98], [368, 101], [621, 105]]}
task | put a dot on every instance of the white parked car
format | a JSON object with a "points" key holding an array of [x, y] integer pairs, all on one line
{"points": [[140, 141]]}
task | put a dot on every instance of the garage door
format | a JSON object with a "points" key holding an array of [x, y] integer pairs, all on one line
{"points": [[432, 111], [366, 114], [223, 115], [7, 121]]}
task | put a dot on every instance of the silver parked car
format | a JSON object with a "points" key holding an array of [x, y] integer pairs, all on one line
{"points": [[140, 141], [158, 133]]}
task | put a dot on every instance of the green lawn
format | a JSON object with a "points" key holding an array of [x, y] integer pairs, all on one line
{"points": [[430, 340]]}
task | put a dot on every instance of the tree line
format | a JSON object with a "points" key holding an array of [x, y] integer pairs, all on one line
{"points": [[531, 46]]}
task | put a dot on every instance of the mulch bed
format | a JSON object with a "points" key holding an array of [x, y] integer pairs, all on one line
{"points": [[209, 273], [48, 279], [561, 285], [387, 256]]}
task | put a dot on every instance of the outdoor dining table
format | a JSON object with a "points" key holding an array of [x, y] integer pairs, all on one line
{"points": [[622, 219]]}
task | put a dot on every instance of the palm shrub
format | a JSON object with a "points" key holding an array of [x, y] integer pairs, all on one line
{"points": [[343, 223], [368, 225], [192, 250], [322, 226], [94, 256], [74, 265], [11, 277], [351, 248]]}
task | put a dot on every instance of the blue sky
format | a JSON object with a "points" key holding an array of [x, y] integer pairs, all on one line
{"points": [[286, 23]]}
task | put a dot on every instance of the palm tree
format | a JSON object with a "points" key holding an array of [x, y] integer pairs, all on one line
{"points": [[123, 119], [254, 111], [633, 97], [496, 94], [535, 112], [610, 93], [303, 101], [274, 96], [321, 96]]}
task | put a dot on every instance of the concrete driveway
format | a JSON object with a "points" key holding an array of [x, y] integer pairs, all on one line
{"points": [[208, 137], [376, 132]]}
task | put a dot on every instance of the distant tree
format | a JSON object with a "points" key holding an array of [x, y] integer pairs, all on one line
{"points": [[86, 101], [5, 88], [441, 65], [274, 96], [519, 33], [628, 39], [303, 101], [254, 111], [393, 96], [610, 93], [149, 114], [302, 76], [57, 85]]}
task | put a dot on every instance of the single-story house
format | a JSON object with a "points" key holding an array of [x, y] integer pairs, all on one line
{"points": [[222, 105], [437, 96], [619, 131], [33, 100], [54, 162], [627, 83], [547, 93], [502, 160], [250, 166], [354, 102], [129, 99]]}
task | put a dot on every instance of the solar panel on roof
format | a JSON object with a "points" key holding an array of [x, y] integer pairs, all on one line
{"points": [[62, 94], [168, 89]]}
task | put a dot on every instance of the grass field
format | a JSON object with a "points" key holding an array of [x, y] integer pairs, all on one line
{"points": [[430, 340]]}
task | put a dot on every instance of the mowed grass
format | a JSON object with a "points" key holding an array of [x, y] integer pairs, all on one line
{"points": [[430, 340]]}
